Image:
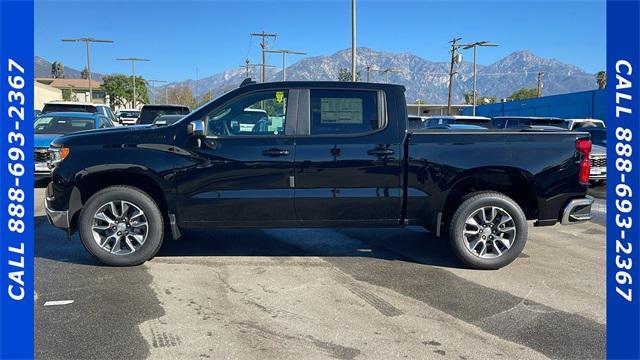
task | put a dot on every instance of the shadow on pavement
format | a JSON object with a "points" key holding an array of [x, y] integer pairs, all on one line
{"points": [[51, 243]]}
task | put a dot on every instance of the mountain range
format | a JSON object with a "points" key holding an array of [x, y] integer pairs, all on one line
{"points": [[424, 79]]}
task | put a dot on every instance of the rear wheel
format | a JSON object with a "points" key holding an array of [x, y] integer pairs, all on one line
{"points": [[121, 226], [488, 231]]}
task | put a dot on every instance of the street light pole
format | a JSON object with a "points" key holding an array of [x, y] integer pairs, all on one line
{"points": [[284, 59], [153, 85], [475, 52], [87, 41], [133, 73], [353, 40]]}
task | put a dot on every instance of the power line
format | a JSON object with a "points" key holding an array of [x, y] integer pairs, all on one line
{"points": [[454, 59], [86, 41], [248, 65], [263, 45]]}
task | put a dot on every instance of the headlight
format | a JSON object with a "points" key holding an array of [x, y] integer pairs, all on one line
{"points": [[56, 155]]}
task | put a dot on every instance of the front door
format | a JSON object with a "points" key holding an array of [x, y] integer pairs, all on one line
{"points": [[241, 173], [348, 168]]}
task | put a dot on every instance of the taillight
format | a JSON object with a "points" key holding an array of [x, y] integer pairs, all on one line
{"points": [[583, 146]]}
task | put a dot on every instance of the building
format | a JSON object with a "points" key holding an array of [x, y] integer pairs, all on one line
{"points": [[79, 89], [43, 93], [578, 105], [434, 109]]}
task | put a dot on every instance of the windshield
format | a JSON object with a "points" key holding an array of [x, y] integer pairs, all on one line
{"points": [[130, 114], [69, 108], [523, 122], [62, 124], [148, 114], [598, 135]]}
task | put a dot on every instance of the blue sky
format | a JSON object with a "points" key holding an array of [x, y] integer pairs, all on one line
{"points": [[179, 36]]}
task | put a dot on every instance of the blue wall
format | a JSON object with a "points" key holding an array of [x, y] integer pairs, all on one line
{"points": [[579, 105]]}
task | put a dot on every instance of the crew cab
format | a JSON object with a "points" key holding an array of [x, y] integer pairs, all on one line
{"points": [[327, 154]]}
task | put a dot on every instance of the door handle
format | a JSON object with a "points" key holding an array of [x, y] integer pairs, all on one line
{"points": [[275, 152], [380, 152]]}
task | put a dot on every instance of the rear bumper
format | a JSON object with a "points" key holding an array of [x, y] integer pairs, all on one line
{"points": [[57, 218], [577, 210]]}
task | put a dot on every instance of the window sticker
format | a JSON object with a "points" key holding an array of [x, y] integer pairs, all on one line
{"points": [[279, 96], [341, 111]]}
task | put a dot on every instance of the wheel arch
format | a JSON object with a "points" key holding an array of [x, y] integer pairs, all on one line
{"points": [[511, 182], [90, 183]]}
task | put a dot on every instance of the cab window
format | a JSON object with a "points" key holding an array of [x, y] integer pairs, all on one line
{"points": [[260, 113], [344, 112]]}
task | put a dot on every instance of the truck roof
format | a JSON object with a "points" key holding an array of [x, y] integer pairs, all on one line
{"points": [[323, 84]]}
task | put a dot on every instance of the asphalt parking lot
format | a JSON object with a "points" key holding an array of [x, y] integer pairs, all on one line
{"points": [[311, 293]]}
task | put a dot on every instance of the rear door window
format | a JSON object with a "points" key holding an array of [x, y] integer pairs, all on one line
{"points": [[336, 112]]}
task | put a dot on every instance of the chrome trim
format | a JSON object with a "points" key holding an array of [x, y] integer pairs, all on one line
{"points": [[567, 214], [59, 219]]}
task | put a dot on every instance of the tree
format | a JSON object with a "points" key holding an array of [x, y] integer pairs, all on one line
{"points": [[468, 99], [181, 95], [601, 79], [208, 96], [57, 70], [119, 88], [85, 73], [345, 75], [524, 93], [68, 95]]}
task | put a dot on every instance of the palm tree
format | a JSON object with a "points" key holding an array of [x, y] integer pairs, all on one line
{"points": [[601, 78]]}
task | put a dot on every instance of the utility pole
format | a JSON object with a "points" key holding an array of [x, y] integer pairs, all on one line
{"points": [[248, 65], [153, 85], [369, 68], [454, 59], [353, 41], [539, 81], [284, 59], [133, 75], [475, 52], [387, 71], [263, 45], [86, 41]]}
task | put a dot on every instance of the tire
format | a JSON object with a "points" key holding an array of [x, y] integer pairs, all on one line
{"points": [[129, 202], [497, 254]]}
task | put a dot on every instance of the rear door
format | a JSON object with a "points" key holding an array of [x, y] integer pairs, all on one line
{"points": [[242, 172], [347, 164]]}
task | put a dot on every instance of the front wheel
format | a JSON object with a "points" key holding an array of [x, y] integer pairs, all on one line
{"points": [[488, 231], [121, 226]]}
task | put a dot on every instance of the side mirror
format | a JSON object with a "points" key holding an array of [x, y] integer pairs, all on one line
{"points": [[196, 128]]}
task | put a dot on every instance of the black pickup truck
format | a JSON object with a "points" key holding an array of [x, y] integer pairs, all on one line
{"points": [[314, 154]]}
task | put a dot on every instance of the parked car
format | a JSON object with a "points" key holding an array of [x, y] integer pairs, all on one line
{"points": [[128, 116], [164, 120], [49, 126], [507, 122], [344, 159], [36, 112], [416, 122], [455, 127], [148, 113], [72, 106], [573, 124], [432, 121], [598, 153]]}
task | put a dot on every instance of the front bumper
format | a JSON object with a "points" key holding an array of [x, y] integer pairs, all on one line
{"points": [[57, 218], [598, 173], [577, 211]]}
